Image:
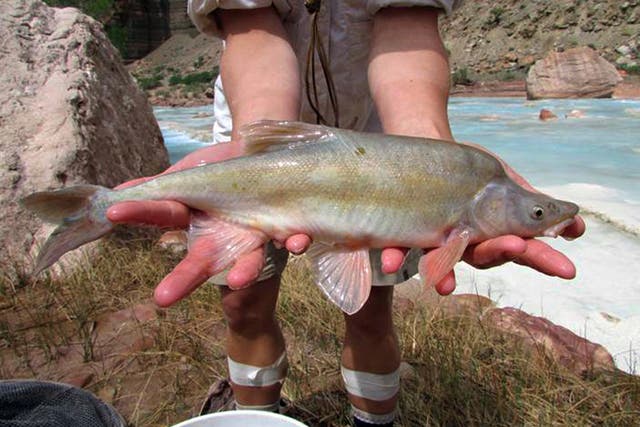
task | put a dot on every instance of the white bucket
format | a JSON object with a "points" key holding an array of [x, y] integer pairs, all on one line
{"points": [[243, 418]]}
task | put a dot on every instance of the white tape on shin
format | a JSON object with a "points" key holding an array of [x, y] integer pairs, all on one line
{"points": [[376, 387], [256, 376], [273, 407]]}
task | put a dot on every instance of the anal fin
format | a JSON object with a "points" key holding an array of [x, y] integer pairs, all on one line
{"points": [[344, 275], [220, 241]]}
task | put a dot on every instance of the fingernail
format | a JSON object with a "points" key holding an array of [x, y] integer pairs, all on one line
{"points": [[296, 249], [113, 213]]}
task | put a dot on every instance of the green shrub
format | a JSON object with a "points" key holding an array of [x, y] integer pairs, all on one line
{"points": [[495, 17], [461, 77], [204, 77], [175, 79], [496, 13], [97, 8], [510, 75], [631, 68], [147, 83], [194, 88], [118, 37]]}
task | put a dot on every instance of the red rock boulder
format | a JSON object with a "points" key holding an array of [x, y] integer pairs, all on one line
{"points": [[575, 73], [556, 342]]}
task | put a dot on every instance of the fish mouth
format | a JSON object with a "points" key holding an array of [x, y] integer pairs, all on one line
{"points": [[555, 230]]}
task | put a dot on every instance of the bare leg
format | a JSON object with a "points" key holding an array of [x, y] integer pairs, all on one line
{"points": [[371, 345], [253, 335]]}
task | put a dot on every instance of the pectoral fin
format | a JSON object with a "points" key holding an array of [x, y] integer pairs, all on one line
{"points": [[222, 242], [344, 275], [437, 263]]}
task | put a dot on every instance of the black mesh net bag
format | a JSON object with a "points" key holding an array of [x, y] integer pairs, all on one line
{"points": [[40, 403]]}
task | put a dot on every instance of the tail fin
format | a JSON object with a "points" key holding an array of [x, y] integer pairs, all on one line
{"points": [[80, 212]]}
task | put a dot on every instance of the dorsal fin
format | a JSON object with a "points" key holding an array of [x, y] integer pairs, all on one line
{"points": [[269, 135]]}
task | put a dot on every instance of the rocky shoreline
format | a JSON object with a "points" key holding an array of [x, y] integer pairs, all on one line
{"points": [[629, 88]]}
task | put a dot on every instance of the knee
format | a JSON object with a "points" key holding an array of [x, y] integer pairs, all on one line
{"points": [[251, 309], [238, 315]]}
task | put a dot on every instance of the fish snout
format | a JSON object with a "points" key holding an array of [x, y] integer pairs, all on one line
{"points": [[571, 208], [566, 216]]}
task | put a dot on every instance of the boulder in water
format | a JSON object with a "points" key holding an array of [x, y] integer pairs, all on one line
{"points": [[547, 115], [575, 73]]}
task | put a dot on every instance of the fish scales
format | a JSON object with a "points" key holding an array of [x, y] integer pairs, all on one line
{"points": [[391, 187], [349, 191]]}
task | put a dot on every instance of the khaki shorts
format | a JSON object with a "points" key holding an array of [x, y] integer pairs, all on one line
{"points": [[276, 261]]}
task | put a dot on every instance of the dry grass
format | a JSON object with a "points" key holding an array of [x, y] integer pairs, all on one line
{"points": [[462, 371]]}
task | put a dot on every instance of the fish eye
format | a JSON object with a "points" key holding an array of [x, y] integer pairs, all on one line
{"points": [[537, 212]]}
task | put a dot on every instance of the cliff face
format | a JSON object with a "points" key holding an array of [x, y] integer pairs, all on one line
{"points": [[483, 36], [505, 36], [146, 24], [178, 18]]}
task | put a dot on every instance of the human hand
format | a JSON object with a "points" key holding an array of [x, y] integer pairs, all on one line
{"points": [[193, 270]]}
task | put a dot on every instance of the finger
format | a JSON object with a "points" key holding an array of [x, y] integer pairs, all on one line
{"points": [[447, 284], [164, 213], [298, 243], [494, 252], [246, 269], [574, 230], [392, 259], [545, 259], [190, 273]]}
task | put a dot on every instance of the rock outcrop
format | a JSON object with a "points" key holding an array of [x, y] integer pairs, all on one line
{"points": [[178, 18], [550, 340], [539, 336], [575, 73], [503, 38], [69, 113]]}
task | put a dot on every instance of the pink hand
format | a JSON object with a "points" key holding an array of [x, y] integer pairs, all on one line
{"points": [[193, 270]]}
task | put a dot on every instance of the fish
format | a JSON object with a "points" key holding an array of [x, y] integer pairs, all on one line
{"points": [[350, 191]]}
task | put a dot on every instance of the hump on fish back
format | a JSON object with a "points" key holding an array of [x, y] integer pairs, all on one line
{"points": [[271, 135]]}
